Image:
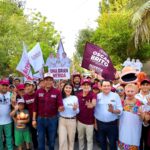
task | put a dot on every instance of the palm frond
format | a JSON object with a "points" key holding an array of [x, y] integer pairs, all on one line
{"points": [[141, 24]]}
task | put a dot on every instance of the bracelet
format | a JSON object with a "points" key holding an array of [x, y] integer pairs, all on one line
{"points": [[33, 119]]}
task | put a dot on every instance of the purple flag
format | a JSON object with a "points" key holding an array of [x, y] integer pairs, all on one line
{"points": [[95, 58]]}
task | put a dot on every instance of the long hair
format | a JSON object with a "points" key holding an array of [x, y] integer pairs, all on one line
{"points": [[63, 92]]}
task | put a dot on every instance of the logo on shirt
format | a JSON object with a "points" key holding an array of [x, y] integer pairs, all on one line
{"points": [[29, 101], [41, 94], [53, 96], [112, 100]]}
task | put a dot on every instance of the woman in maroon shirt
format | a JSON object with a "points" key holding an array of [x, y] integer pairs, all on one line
{"points": [[85, 124]]}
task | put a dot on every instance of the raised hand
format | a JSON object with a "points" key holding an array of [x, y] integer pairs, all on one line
{"points": [[75, 106], [89, 104]]}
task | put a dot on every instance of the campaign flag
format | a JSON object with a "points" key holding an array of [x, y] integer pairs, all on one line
{"points": [[36, 58], [39, 74], [60, 49], [24, 65], [95, 58]]}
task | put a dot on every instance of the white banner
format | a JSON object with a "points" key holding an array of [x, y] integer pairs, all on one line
{"points": [[24, 65], [36, 58], [60, 73]]}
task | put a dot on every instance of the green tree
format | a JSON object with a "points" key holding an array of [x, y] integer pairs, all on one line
{"points": [[120, 24], [15, 27]]}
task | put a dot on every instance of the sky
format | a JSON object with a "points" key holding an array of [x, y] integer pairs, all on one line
{"points": [[69, 16]]}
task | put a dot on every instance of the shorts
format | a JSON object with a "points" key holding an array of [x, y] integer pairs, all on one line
{"points": [[22, 136]]}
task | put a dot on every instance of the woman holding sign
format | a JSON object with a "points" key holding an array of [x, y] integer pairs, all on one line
{"points": [[67, 120]]}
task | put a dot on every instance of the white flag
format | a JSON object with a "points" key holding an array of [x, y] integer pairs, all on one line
{"points": [[36, 58], [60, 50], [24, 65], [39, 75]]}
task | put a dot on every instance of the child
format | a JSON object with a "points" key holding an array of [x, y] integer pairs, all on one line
{"points": [[21, 118]]}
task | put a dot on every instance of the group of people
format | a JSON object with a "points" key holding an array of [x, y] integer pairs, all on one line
{"points": [[59, 61], [133, 63], [83, 107]]}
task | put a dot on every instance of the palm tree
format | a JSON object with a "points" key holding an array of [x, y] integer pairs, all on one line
{"points": [[141, 24]]}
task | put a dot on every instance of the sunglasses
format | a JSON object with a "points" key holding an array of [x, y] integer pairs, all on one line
{"points": [[119, 90]]}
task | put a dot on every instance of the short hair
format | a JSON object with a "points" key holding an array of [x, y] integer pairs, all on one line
{"points": [[132, 85], [106, 81]]}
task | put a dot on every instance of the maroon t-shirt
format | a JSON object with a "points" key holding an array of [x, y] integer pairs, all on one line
{"points": [[47, 102], [86, 115], [29, 100]]}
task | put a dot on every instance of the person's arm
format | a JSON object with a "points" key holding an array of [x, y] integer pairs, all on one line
{"points": [[13, 113], [60, 102], [13, 99], [35, 104]]}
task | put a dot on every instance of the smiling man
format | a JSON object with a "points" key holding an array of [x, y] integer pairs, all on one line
{"points": [[107, 110], [48, 101]]}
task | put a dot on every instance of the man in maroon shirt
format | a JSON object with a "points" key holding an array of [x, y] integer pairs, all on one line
{"points": [[48, 101], [29, 100], [85, 125]]}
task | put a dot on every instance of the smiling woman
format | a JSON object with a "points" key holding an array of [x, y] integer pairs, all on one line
{"points": [[67, 120]]}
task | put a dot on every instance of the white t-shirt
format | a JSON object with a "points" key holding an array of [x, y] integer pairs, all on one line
{"points": [[68, 103], [5, 108], [142, 98], [101, 109]]}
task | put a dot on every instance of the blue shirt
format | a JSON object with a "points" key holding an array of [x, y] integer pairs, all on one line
{"points": [[101, 109]]}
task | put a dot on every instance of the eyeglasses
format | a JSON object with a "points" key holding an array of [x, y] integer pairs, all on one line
{"points": [[119, 90]]}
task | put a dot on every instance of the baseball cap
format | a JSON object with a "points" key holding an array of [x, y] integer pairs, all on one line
{"points": [[76, 75], [20, 100], [95, 86], [20, 87], [48, 75], [86, 81], [17, 78], [145, 81], [5, 82], [29, 82]]}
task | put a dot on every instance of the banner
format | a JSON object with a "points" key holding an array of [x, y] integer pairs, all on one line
{"points": [[36, 58], [24, 65], [95, 58], [60, 73]]}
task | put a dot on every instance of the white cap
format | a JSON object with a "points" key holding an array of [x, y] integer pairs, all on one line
{"points": [[29, 82], [46, 75], [20, 100]]}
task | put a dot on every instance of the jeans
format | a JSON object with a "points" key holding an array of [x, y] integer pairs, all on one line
{"points": [[48, 125], [108, 131], [33, 132], [8, 134]]}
